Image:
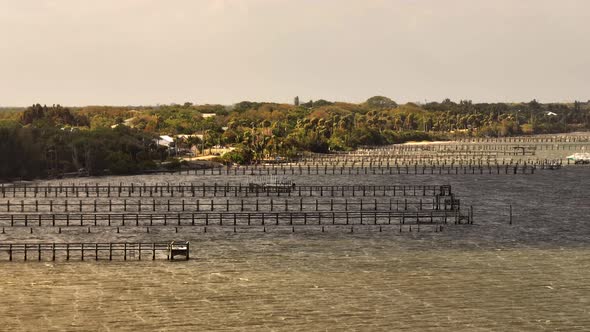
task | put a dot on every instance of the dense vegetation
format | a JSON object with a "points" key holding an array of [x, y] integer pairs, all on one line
{"points": [[42, 141]]}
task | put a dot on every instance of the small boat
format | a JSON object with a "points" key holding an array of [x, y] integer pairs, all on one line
{"points": [[580, 158]]}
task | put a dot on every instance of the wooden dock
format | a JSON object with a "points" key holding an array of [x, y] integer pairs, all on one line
{"points": [[227, 205], [209, 190], [92, 251], [231, 218], [382, 168], [169, 209], [75, 207]]}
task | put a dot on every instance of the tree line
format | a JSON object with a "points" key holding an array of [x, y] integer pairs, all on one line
{"points": [[41, 141]]}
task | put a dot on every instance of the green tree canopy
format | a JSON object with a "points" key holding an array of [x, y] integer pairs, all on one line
{"points": [[380, 102]]}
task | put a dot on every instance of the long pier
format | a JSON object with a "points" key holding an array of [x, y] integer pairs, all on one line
{"points": [[373, 168], [233, 219], [82, 251], [227, 205], [208, 190]]}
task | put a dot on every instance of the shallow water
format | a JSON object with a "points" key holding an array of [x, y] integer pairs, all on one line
{"points": [[490, 276]]}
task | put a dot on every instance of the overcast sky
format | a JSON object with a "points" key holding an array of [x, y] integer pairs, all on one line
{"points": [[132, 52]]}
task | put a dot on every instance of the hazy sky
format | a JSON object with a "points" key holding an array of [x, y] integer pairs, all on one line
{"points": [[130, 52]]}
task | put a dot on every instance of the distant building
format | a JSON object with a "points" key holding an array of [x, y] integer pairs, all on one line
{"points": [[165, 140], [186, 136], [208, 115]]}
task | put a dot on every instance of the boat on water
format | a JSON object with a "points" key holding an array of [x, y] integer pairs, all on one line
{"points": [[580, 158]]}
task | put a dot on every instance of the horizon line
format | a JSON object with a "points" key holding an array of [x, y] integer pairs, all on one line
{"points": [[303, 101]]}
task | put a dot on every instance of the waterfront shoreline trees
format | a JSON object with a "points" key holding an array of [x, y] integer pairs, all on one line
{"points": [[42, 141]]}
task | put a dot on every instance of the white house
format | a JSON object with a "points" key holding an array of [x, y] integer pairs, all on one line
{"points": [[185, 136], [165, 140]]}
